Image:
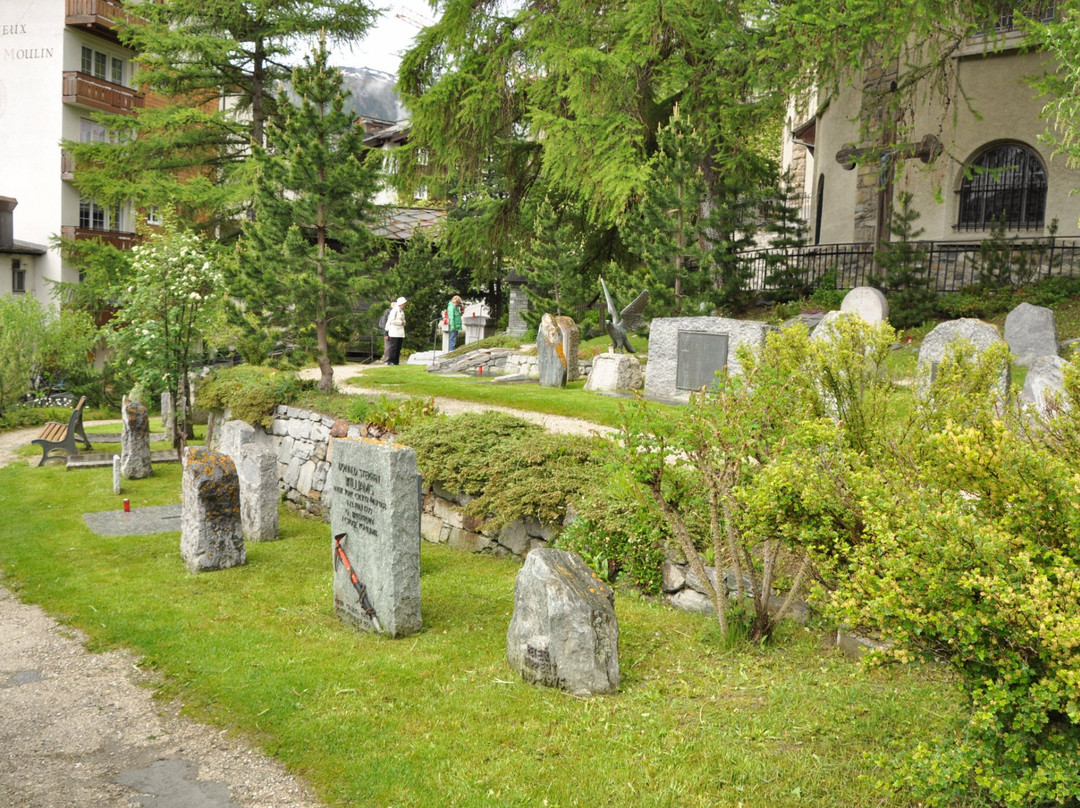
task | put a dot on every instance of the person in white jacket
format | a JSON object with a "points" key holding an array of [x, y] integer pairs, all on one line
{"points": [[395, 331]]}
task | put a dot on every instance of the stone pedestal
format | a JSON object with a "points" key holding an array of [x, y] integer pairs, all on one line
{"points": [[612, 371], [211, 536]]}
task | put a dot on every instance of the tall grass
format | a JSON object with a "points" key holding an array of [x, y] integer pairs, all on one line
{"points": [[437, 719]]}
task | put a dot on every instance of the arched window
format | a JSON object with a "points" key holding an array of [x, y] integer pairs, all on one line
{"points": [[1005, 183]]}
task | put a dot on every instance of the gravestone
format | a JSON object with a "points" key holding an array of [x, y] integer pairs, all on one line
{"points": [[552, 351], [563, 632], [1031, 332], [824, 329], [612, 371], [233, 436], [571, 345], [257, 471], [375, 530], [935, 344], [135, 441], [211, 535], [1045, 379], [116, 474], [168, 417], [685, 353], [868, 303]]}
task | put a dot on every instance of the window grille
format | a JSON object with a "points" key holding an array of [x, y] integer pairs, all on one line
{"points": [[1005, 184]]}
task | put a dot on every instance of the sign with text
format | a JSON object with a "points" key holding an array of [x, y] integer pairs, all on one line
{"points": [[375, 529]]}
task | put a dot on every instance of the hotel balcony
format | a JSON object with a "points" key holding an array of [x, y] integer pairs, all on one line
{"points": [[88, 91], [98, 17], [117, 238]]}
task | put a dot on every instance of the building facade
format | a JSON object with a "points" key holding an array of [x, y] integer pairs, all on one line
{"points": [[969, 158], [60, 62]]}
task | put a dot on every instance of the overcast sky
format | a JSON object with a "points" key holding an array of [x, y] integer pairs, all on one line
{"points": [[382, 48]]}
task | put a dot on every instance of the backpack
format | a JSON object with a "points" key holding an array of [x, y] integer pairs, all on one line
{"points": [[383, 319]]}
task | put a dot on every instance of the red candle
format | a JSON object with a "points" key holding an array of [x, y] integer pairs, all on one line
{"points": [[127, 506]]}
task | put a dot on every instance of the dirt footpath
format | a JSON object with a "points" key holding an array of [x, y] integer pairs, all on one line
{"points": [[82, 730]]}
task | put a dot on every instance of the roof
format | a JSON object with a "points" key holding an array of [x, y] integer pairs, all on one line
{"points": [[24, 248], [399, 224]]}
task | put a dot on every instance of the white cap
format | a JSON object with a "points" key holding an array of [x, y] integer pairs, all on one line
{"points": [[401, 300]]}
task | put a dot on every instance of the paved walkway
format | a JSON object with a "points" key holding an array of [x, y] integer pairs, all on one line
{"points": [[82, 730]]}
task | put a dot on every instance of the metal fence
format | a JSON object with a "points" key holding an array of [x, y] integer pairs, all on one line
{"points": [[946, 266]]}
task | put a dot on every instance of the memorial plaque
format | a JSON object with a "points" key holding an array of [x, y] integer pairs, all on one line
{"points": [[375, 530], [700, 356]]}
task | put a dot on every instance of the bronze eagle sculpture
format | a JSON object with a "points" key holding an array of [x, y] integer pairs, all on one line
{"points": [[629, 319]]}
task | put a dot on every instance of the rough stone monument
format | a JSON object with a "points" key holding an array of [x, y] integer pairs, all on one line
{"points": [[135, 441], [563, 633], [1045, 378], [1031, 332], [557, 342], [685, 353], [612, 371], [868, 303], [935, 344], [168, 417], [257, 471], [211, 535], [375, 530]]}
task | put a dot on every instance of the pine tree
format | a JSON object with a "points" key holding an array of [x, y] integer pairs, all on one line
{"points": [[552, 263], [903, 262], [307, 254], [784, 277]]}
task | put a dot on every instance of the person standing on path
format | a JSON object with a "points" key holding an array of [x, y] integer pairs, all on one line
{"points": [[453, 319], [395, 331]]}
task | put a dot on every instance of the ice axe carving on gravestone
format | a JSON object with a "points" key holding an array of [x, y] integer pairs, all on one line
{"points": [[629, 319]]}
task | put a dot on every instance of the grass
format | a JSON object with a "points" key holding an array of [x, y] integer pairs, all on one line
{"points": [[438, 719], [572, 401]]}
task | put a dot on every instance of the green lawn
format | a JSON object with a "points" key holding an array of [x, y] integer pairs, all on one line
{"points": [[438, 719]]}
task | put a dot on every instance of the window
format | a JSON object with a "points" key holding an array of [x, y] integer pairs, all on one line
{"points": [[93, 216], [117, 74], [91, 132], [102, 65], [1041, 11], [1006, 183], [421, 193], [153, 215], [18, 277]]}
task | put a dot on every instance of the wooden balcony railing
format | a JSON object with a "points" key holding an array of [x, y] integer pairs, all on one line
{"points": [[99, 17], [117, 238], [89, 91]]}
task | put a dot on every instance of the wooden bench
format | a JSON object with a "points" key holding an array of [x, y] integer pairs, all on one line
{"points": [[57, 437]]}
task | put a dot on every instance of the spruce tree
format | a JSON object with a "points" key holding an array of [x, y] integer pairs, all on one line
{"points": [[307, 254], [552, 263], [904, 273], [785, 278]]}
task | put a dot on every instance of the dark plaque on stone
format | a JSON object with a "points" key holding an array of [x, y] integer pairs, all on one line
{"points": [[700, 356]]}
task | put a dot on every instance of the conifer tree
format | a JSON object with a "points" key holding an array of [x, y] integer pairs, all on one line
{"points": [[784, 277], [553, 264], [307, 255], [904, 270]]}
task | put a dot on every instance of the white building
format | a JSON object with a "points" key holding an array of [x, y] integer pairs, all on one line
{"points": [[60, 62]]}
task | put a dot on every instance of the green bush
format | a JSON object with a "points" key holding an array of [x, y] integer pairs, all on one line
{"points": [[29, 417], [393, 414], [250, 393], [511, 468]]}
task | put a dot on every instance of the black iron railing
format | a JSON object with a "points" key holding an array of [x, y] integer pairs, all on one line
{"points": [[946, 266]]}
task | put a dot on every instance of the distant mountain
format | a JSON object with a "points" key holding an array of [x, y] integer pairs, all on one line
{"points": [[373, 94]]}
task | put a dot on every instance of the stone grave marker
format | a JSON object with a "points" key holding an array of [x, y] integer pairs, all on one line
{"points": [[168, 417], [685, 353], [563, 632], [1031, 332], [375, 530], [135, 441], [557, 343], [935, 344], [612, 371], [257, 471], [116, 474], [1045, 378], [211, 536], [868, 303]]}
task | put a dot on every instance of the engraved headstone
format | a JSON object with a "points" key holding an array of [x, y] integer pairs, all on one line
{"points": [[935, 344], [257, 470], [375, 530], [868, 303], [563, 633], [677, 362], [135, 441], [612, 371], [211, 536], [1031, 332], [168, 417]]}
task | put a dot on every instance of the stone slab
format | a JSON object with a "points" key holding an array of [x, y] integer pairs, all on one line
{"points": [[137, 522], [89, 460]]}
